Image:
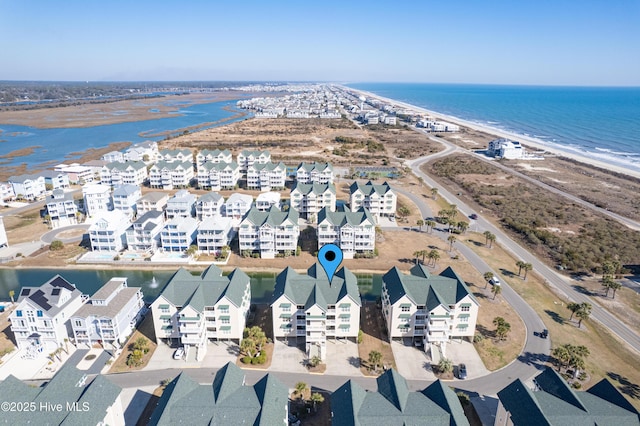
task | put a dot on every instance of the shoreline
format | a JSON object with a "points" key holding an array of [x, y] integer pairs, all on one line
{"points": [[528, 141]]}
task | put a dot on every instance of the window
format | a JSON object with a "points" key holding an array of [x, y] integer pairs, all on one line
{"points": [[345, 319], [18, 313], [39, 313], [286, 308], [405, 308], [466, 308], [345, 308], [464, 319], [78, 323], [225, 320]]}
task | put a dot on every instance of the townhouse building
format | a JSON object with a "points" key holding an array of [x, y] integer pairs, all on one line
{"points": [[170, 175], [267, 176], [182, 204], [83, 400], [314, 173], [214, 233], [227, 397], [209, 205], [237, 205], [247, 158], [108, 232], [125, 198], [353, 232], [78, 175], [146, 151], [309, 309], [6, 192], [266, 200], [218, 176], [97, 199], [310, 198], [95, 167], [429, 309], [152, 201], [143, 236], [269, 232], [113, 157], [61, 209], [28, 187], [40, 322], [213, 156], [109, 316], [176, 155], [380, 200], [129, 173], [193, 310], [178, 234], [54, 180]]}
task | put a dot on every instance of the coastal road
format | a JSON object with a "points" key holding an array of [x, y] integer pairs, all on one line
{"points": [[48, 237], [563, 285]]}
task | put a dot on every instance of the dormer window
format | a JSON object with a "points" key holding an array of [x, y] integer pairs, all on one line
{"points": [[39, 313]]}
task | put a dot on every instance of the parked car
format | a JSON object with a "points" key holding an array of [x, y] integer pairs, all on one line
{"points": [[495, 281], [544, 333], [473, 216], [179, 353], [462, 371]]}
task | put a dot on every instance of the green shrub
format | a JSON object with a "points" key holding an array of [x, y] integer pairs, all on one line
{"points": [[246, 359], [56, 245]]}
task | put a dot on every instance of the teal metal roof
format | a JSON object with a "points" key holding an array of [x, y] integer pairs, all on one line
{"points": [[273, 217], [359, 217], [369, 188], [316, 188]]}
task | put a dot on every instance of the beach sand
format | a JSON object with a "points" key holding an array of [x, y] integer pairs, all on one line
{"points": [[527, 141]]}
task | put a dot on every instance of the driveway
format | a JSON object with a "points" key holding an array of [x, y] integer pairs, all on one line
{"points": [[342, 358], [464, 352], [288, 357], [412, 363], [218, 354]]}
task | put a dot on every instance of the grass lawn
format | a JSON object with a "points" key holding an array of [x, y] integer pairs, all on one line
{"points": [[374, 338], [144, 330]]}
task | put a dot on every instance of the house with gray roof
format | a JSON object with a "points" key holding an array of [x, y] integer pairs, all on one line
{"points": [[83, 401], [237, 205], [380, 200], [28, 187], [213, 156], [182, 204], [178, 234], [353, 231], [152, 201], [54, 179], [40, 322], [308, 308], [120, 173], [209, 205], [192, 310], [226, 401], [266, 177], [218, 176], [310, 198], [125, 198], [394, 404], [170, 175], [108, 233], [552, 401], [109, 316], [214, 233], [429, 309], [270, 233], [247, 158], [146, 151], [143, 236], [314, 173], [62, 209], [176, 155]]}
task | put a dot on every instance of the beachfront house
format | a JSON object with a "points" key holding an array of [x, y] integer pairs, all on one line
{"points": [[267, 176], [108, 233], [73, 398], [269, 233], [247, 157], [129, 173], [178, 234], [310, 198], [266, 200], [394, 404], [227, 400], [61, 209], [125, 198], [97, 199], [143, 236], [354, 232], [218, 176], [505, 148], [182, 204], [170, 175], [380, 200], [146, 151], [314, 173], [429, 309], [214, 233], [109, 316], [28, 187], [54, 180], [309, 309], [209, 205], [551, 401], [176, 156], [213, 156], [237, 205], [192, 310], [40, 322], [152, 201]]}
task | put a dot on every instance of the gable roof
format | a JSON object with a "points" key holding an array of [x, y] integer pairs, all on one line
{"points": [[268, 167], [47, 296], [125, 190], [316, 188], [210, 197], [359, 217], [320, 167], [370, 188], [220, 167], [273, 217], [161, 165]]}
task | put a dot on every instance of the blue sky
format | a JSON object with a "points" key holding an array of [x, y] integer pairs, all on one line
{"points": [[501, 42]]}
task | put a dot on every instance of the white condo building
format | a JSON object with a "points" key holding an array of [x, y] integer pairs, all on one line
{"points": [[266, 200], [193, 310], [505, 148], [237, 205], [97, 199], [267, 176], [218, 176], [108, 232], [176, 155], [178, 234], [310, 309], [125, 198], [269, 232], [146, 151], [182, 204], [213, 234], [62, 209], [314, 173], [213, 156], [247, 157], [129, 173], [380, 200], [143, 236], [353, 232], [209, 205], [310, 198], [152, 201], [170, 175], [28, 187]]}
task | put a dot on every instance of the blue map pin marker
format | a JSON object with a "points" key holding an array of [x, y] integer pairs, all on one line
{"points": [[330, 257]]}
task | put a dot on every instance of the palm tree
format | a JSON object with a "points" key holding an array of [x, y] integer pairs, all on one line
{"points": [[520, 265], [606, 283], [12, 293], [615, 285], [417, 254], [445, 365], [452, 239], [433, 256], [300, 389], [562, 355], [375, 358], [502, 327], [583, 313], [434, 193], [486, 237], [496, 290], [430, 224], [527, 267], [463, 226], [491, 239], [420, 181], [573, 307], [487, 278], [424, 254], [420, 222], [316, 398]]}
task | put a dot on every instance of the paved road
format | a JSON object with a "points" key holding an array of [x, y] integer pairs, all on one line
{"points": [[562, 284], [51, 235]]}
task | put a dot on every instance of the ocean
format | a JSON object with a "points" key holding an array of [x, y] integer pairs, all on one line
{"points": [[600, 122]]}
